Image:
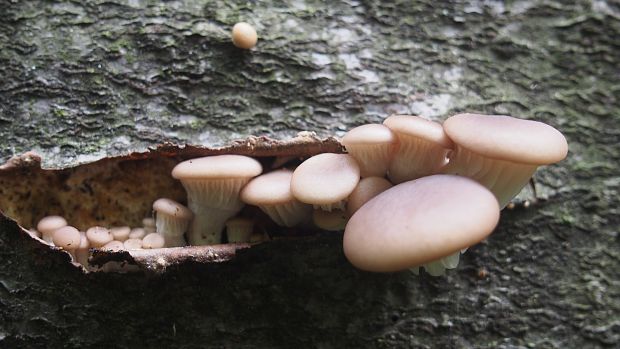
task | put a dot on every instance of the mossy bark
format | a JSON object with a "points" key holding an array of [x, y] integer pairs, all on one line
{"points": [[81, 81]]}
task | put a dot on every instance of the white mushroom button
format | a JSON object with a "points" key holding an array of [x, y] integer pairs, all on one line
{"points": [[48, 225], [171, 220]]}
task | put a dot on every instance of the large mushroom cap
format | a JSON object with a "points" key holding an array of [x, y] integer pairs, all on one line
{"points": [[419, 221], [172, 208], [507, 138], [269, 189], [418, 127], [325, 178], [219, 166]]}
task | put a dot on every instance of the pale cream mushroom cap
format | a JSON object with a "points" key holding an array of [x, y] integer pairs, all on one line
{"points": [[133, 244], [114, 246], [120, 233], [244, 35], [269, 189], [419, 221], [172, 208], [148, 222], [218, 166], [98, 236], [137, 233], [507, 138], [372, 146], [325, 179], [153, 240], [366, 189], [49, 224], [67, 237], [418, 127]]}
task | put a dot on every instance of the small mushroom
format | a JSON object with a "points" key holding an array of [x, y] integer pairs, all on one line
{"points": [[153, 240], [137, 233], [422, 147], [271, 192], [133, 244], [213, 184], [81, 253], [172, 220], [120, 233], [98, 236], [366, 189], [244, 35], [325, 180], [48, 225], [114, 246], [67, 238], [239, 229], [501, 152], [418, 222], [372, 146]]}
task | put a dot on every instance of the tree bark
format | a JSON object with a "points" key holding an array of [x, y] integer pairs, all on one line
{"points": [[86, 80]]}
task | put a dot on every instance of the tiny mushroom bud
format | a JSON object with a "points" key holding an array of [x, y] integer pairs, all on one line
{"points": [[114, 246], [148, 222], [172, 220], [326, 180], [67, 238], [372, 146], [153, 240], [98, 236], [213, 184], [334, 220], [133, 244], [244, 35], [501, 152], [239, 229], [120, 233], [422, 147], [137, 233], [48, 225], [366, 189], [418, 222], [271, 192]]}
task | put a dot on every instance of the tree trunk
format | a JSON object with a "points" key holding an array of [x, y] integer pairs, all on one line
{"points": [[86, 80]]}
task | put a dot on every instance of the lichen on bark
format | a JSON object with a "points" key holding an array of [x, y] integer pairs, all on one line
{"points": [[84, 80]]}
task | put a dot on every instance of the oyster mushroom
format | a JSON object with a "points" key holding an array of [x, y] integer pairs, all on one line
{"points": [[372, 146], [171, 220], [325, 180], [422, 147], [67, 238], [98, 236], [366, 189], [418, 222], [48, 225], [501, 152], [271, 192], [153, 240], [120, 233], [213, 184]]}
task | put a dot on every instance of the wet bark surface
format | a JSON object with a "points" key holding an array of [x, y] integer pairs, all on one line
{"points": [[81, 81]]}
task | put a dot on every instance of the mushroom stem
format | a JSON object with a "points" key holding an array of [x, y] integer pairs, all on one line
{"points": [[503, 178], [415, 158], [208, 224], [435, 268], [340, 205]]}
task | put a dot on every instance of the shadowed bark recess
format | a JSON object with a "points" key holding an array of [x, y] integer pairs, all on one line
{"points": [[85, 80]]}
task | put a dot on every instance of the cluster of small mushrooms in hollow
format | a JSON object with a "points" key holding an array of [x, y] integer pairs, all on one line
{"points": [[408, 193]]}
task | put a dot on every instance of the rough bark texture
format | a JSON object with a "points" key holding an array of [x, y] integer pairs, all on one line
{"points": [[84, 80]]}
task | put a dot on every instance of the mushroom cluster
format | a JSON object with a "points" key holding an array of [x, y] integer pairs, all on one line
{"points": [[408, 193]]}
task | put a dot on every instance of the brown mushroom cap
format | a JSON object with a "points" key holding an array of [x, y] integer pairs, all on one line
{"points": [[98, 236], [219, 166], [366, 189], [371, 145], [507, 138], [269, 189], [419, 221], [172, 208], [325, 179], [153, 240], [418, 127], [67, 237]]}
